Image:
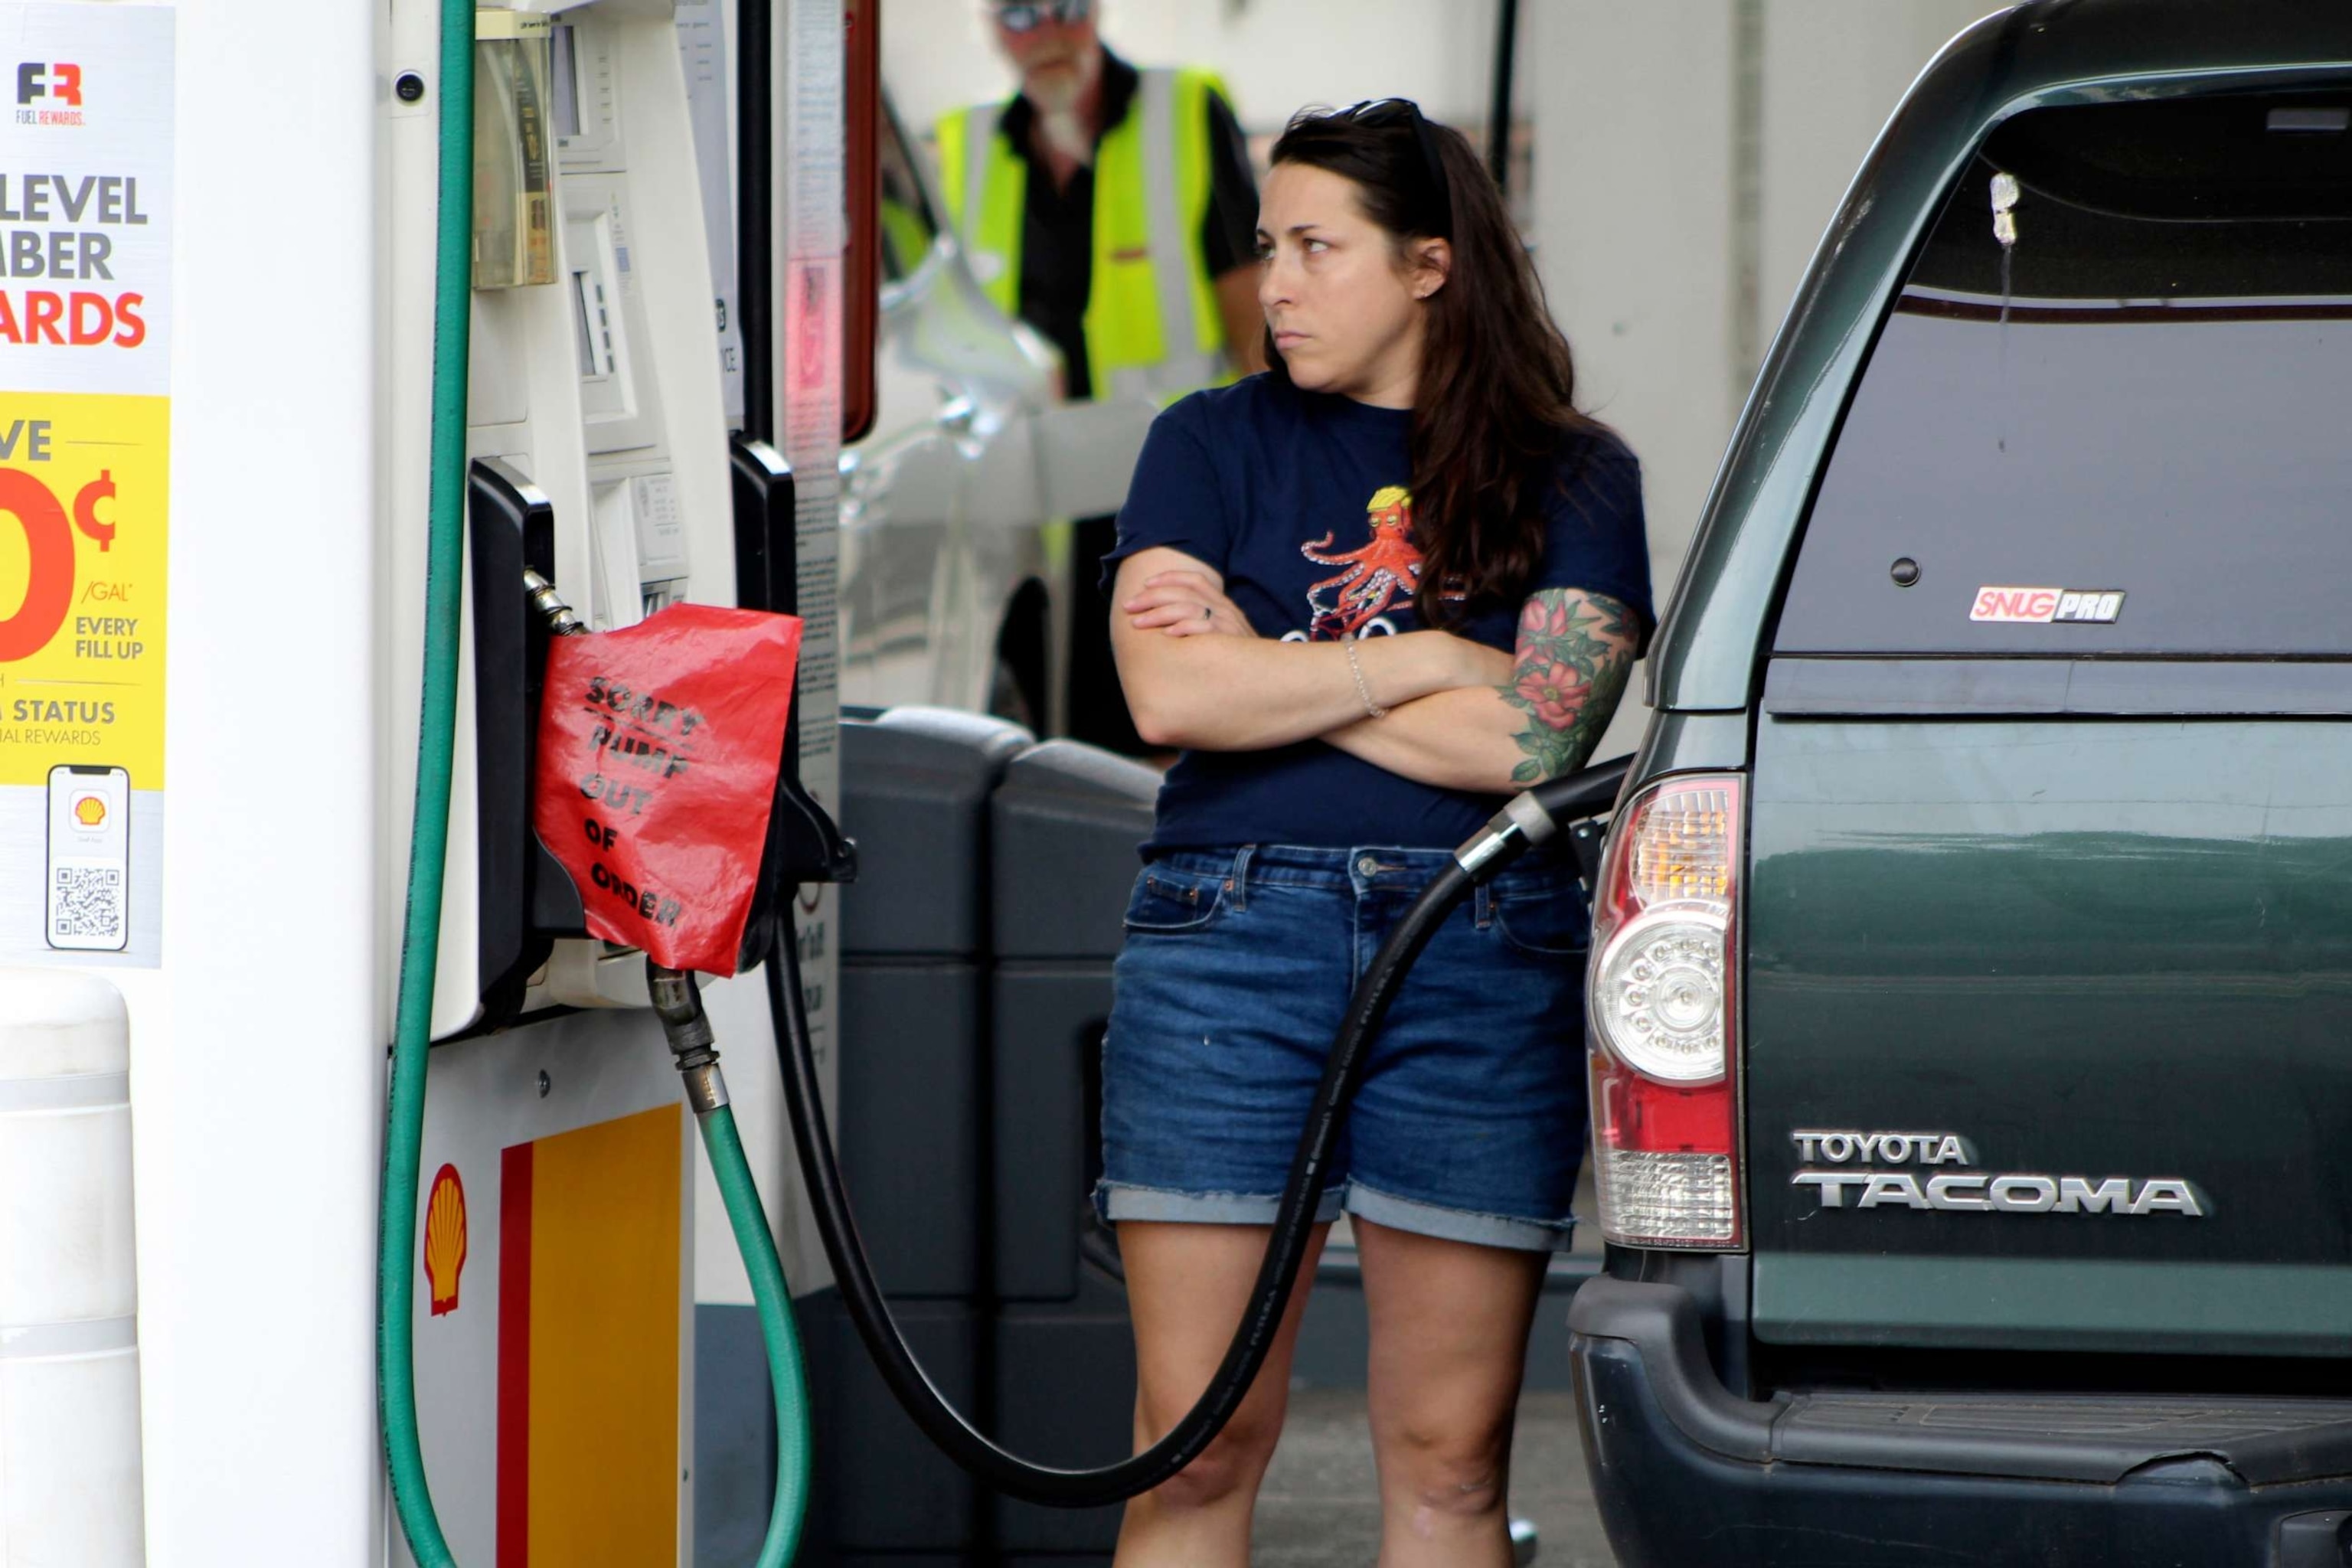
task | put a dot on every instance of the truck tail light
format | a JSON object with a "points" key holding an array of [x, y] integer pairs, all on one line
{"points": [[1662, 995]]}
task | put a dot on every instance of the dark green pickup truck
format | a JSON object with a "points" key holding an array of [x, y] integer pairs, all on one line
{"points": [[1971, 1000]]}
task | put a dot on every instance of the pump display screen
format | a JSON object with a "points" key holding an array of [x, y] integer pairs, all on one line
{"points": [[566, 85]]}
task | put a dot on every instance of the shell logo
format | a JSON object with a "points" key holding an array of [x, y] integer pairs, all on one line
{"points": [[445, 1238], [91, 810]]}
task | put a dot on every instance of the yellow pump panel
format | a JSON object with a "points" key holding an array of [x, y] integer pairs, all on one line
{"points": [[588, 1345]]}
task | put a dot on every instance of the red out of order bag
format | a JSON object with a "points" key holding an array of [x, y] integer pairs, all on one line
{"points": [[659, 746]]}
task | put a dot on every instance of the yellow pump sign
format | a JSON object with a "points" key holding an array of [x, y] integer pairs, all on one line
{"points": [[83, 489]]}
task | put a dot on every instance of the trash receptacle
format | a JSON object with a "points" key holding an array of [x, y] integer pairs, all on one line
{"points": [[1065, 827], [916, 786]]}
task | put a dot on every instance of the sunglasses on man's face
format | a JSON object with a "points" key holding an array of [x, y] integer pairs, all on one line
{"points": [[1028, 16]]}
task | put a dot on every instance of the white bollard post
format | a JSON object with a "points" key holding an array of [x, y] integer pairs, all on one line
{"points": [[69, 1469]]}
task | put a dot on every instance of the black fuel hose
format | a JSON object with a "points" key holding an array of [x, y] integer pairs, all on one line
{"points": [[1528, 820]]}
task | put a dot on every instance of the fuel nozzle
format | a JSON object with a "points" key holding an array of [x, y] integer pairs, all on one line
{"points": [[722, 653], [1535, 815], [678, 1002]]}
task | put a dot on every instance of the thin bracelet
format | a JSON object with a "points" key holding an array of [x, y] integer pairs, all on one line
{"points": [[1371, 709]]}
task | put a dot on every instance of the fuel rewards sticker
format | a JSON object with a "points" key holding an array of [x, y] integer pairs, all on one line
{"points": [[83, 482], [658, 750]]}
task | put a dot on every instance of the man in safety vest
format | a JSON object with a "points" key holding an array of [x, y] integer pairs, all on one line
{"points": [[1112, 209]]}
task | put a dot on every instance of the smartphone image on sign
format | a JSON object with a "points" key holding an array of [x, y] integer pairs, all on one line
{"points": [[89, 874]]}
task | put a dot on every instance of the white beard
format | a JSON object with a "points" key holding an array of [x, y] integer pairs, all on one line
{"points": [[1066, 132], [1056, 95]]}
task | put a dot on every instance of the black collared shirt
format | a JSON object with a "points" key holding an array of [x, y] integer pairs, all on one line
{"points": [[1058, 243]]}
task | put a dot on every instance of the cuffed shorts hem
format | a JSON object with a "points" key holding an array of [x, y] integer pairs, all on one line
{"points": [[1459, 1225], [1116, 1201]]}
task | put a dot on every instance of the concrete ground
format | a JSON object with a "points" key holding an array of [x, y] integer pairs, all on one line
{"points": [[1320, 1509]]}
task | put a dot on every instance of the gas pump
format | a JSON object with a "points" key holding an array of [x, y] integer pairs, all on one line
{"points": [[579, 431]]}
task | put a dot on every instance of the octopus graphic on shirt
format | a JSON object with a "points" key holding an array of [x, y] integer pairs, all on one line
{"points": [[1371, 580]]}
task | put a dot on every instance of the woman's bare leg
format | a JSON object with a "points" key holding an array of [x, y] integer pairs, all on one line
{"points": [[1449, 1330], [1186, 1288]]}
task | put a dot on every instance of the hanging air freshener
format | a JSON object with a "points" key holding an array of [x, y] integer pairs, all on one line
{"points": [[2004, 208]]}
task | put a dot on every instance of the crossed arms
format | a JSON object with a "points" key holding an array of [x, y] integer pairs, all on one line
{"points": [[1460, 715]]}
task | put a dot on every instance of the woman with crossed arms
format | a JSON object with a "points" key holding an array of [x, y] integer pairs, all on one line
{"points": [[1368, 595]]}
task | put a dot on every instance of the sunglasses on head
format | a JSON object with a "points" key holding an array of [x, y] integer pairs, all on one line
{"points": [[1379, 113], [1028, 16]]}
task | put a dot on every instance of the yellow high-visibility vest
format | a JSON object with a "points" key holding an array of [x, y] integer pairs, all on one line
{"points": [[1151, 324]]}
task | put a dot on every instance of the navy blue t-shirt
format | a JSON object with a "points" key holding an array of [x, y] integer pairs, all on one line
{"points": [[1300, 500]]}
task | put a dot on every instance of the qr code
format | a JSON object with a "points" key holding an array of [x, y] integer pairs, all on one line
{"points": [[86, 902]]}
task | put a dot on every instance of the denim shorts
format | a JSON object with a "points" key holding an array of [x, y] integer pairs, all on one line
{"points": [[1238, 969]]}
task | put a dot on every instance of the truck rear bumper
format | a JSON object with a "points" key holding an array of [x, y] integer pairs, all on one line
{"points": [[1685, 1471]]}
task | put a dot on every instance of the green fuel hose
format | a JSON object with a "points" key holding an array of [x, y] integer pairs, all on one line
{"points": [[421, 928], [412, 1034], [678, 1002], [774, 1298]]}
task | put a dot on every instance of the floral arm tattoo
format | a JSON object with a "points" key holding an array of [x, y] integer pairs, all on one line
{"points": [[1575, 652]]}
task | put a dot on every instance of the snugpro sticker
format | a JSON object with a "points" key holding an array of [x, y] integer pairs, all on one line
{"points": [[2041, 606]]}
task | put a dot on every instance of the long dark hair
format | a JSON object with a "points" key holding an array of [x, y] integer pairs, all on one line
{"points": [[1496, 385]]}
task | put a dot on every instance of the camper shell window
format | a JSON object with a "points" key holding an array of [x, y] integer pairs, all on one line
{"points": [[2143, 400]]}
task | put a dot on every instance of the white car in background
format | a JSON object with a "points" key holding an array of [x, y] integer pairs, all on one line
{"points": [[955, 545]]}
